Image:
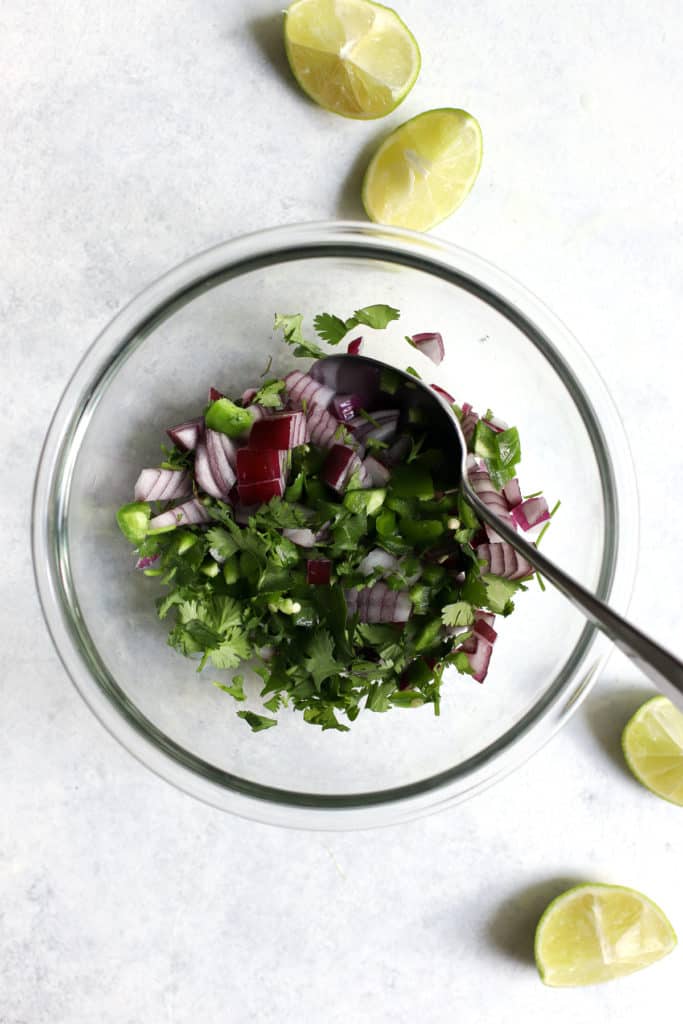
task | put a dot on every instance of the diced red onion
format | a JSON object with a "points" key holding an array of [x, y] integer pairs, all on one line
{"points": [[430, 344], [480, 658], [345, 407], [260, 492], [380, 604], [323, 429], [222, 453], [481, 616], [379, 474], [353, 348], [215, 394], [186, 435], [188, 514], [383, 429], [496, 424], [469, 421], [318, 572], [254, 466], [482, 485], [378, 559], [304, 389], [531, 512], [162, 484], [513, 493], [247, 396], [483, 629], [147, 561], [203, 475], [444, 394], [283, 431], [301, 536], [339, 466], [502, 560]]}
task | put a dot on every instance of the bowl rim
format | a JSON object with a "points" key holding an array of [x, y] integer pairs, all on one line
{"points": [[129, 328]]}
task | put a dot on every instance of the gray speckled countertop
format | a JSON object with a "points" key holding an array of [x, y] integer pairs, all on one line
{"points": [[128, 133]]}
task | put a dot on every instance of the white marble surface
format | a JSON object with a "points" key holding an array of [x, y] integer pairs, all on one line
{"points": [[135, 134]]}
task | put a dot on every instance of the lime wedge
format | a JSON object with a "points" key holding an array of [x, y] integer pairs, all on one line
{"points": [[353, 57], [422, 172], [653, 747], [593, 933]]}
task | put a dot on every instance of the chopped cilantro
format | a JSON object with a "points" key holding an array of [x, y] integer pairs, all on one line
{"points": [[257, 723]]}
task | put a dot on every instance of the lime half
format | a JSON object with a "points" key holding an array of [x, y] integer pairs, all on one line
{"points": [[422, 172], [653, 747], [593, 933], [353, 57]]}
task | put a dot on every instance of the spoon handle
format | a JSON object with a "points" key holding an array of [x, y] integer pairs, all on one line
{"points": [[662, 667]]}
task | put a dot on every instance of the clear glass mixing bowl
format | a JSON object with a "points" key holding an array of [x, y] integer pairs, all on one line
{"points": [[209, 321]]}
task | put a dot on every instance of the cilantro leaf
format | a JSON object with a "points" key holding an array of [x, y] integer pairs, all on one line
{"points": [[269, 395], [378, 317], [290, 325], [458, 614], [220, 542], [257, 723], [235, 689], [230, 652], [378, 696], [330, 328], [324, 716], [500, 450], [321, 663]]}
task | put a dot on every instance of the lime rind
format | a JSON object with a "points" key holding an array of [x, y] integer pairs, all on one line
{"points": [[666, 779], [360, 95], [617, 960]]}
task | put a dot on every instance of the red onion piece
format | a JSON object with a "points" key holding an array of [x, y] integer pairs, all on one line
{"points": [[431, 345], [483, 629], [444, 394], [147, 561], [353, 348], [215, 394], [247, 396], [318, 572], [380, 604], [162, 484], [378, 559], [469, 421], [188, 514], [186, 435], [304, 389], [203, 475], [531, 512], [283, 431], [222, 454], [254, 466], [345, 407], [260, 492], [379, 474], [339, 466], [497, 425], [480, 658], [383, 429], [261, 412], [481, 483], [513, 493], [502, 560], [322, 427], [301, 536]]}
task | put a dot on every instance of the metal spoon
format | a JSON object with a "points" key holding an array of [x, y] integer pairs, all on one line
{"points": [[368, 378]]}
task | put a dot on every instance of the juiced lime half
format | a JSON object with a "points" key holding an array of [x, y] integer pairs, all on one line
{"points": [[653, 747], [353, 57], [422, 172], [593, 933]]}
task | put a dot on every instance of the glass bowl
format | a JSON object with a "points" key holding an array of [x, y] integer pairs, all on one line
{"points": [[209, 322]]}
